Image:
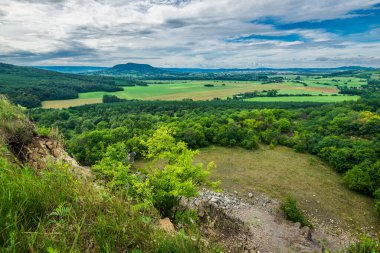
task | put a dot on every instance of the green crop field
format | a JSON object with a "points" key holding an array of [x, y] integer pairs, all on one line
{"points": [[341, 81], [179, 90]]}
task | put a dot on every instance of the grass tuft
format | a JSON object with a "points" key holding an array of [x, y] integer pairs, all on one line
{"points": [[292, 212]]}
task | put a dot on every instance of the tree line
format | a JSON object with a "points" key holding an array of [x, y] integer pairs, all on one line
{"points": [[346, 135]]}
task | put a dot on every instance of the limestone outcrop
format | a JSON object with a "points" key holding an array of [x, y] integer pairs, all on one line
{"points": [[43, 150]]}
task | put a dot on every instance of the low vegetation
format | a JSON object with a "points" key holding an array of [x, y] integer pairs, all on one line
{"points": [[293, 213], [366, 245], [56, 211], [320, 192]]}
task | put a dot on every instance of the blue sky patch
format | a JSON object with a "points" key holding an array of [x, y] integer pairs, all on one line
{"points": [[287, 38], [358, 21]]}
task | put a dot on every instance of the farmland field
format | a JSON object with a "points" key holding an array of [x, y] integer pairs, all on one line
{"points": [[179, 90]]}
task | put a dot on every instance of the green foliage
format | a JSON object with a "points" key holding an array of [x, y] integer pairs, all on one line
{"points": [[57, 212], [292, 212], [180, 178], [366, 245], [377, 200], [161, 187], [186, 217], [364, 177], [15, 127], [111, 99], [345, 135]]}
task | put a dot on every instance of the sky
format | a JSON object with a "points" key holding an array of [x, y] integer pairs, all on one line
{"points": [[191, 33]]}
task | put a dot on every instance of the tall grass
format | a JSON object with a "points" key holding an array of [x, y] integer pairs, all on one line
{"points": [[56, 212], [14, 124]]}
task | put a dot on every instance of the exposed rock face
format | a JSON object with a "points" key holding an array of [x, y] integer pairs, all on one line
{"points": [[43, 150], [257, 226]]}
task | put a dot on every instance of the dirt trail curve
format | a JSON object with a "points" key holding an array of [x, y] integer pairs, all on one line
{"points": [[257, 225]]}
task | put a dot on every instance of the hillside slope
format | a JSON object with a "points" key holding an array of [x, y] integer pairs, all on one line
{"points": [[46, 207], [29, 86]]}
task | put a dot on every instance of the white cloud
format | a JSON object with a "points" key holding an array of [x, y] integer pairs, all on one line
{"points": [[174, 33]]}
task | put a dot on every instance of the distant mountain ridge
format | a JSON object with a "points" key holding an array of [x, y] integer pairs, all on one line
{"points": [[201, 70], [137, 69], [72, 69]]}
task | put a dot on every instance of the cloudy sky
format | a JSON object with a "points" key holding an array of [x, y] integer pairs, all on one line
{"points": [[191, 33]]}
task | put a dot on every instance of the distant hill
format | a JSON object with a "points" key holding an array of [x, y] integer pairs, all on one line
{"points": [[29, 86], [72, 69], [132, 69]]}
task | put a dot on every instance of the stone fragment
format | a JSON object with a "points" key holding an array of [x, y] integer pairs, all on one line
{"points": [[56, 153], [166, 225]]}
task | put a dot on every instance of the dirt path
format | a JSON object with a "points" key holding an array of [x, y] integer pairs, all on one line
{"points": [[257, 225]]}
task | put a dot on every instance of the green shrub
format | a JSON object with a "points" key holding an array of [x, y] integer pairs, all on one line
{"points": [[57, 212], [292, 212], [366, 245], [364, 177], [15, 127]]}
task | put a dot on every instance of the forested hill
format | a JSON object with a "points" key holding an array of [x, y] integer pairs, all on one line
{"points": [[29, 86], [132, 69]]}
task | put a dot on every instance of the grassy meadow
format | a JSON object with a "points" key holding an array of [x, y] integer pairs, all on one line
{"points": [[281, 171], [182, 89], [278, 172]]}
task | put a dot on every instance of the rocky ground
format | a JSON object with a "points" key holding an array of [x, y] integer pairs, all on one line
{"points": [[43, 150], [256, 224]]}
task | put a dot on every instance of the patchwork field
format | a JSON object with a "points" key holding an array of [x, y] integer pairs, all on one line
{"points": [[320, 191], [179, 90]]}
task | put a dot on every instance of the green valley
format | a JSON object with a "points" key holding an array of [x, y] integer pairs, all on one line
{"points": [[189, 126]]}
